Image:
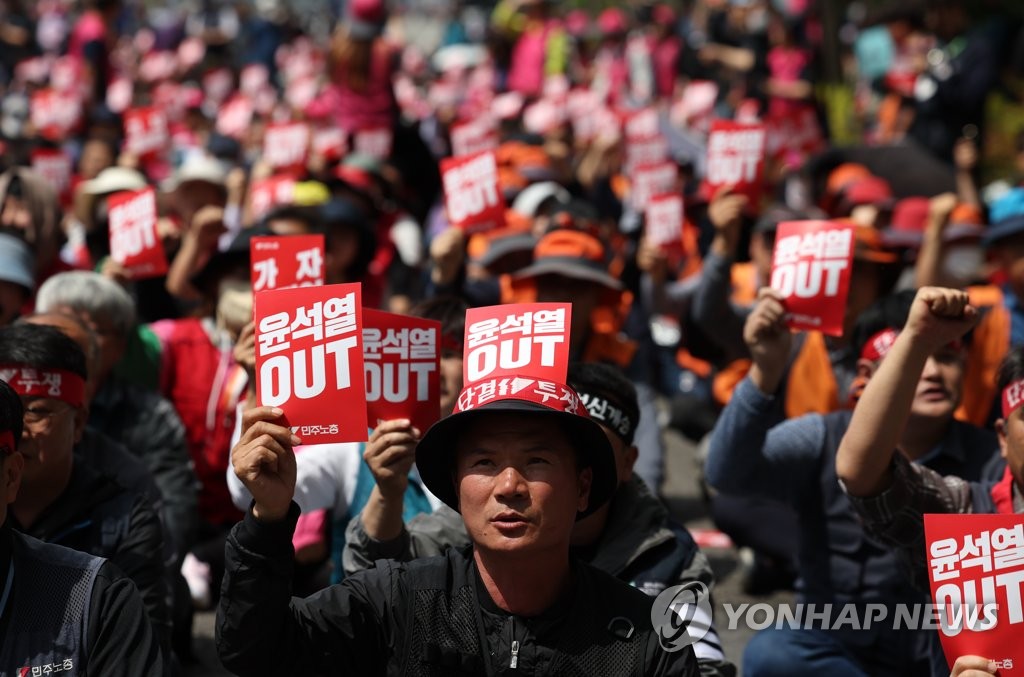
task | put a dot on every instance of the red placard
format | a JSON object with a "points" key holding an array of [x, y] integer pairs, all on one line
{"points": [[799, 132], [55, 166], [402, 363], [309, 360], [330, 143], [811, 268], [644, 152], [268, 193], [517, 340], [373, 142], [735, 158], [475, 136], [55, 114], [253, 78], [696, 105], [975, 571], [285, 145], [471, 193], [145, 131], [134, 242], [281, 262], [641, 125], [235, 116], [663, 222], [651, 180]]}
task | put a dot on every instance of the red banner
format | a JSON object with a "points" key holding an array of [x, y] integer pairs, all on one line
{"points": [[286, 261], [651, 180], [475, 136], [811, 268], [285, 146], [402, 363], [735, 158], [55, 114], [266, 194], [472, 197], [145, 131], [309, 360], [522, 339], [134, 242], [54, 165], [976, 571]]}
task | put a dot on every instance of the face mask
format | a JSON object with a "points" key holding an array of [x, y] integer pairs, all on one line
{"points": [[234, 305], [962, 263]]}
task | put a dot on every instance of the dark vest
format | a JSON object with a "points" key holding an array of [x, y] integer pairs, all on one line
{"points": [[48, 611]]}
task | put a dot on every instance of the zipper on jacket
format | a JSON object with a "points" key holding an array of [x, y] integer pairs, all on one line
{"points": [[515, 645]]}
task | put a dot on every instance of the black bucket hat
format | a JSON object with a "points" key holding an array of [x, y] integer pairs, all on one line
{"points": [[435, 453]]}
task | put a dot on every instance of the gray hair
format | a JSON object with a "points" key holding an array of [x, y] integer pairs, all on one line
{"points": [[82, 291]]}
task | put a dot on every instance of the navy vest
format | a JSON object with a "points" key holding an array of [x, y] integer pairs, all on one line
{"points": [[48, 609]]}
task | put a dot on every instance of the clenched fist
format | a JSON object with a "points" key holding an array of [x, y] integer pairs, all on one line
{"points": [[263, 459]]}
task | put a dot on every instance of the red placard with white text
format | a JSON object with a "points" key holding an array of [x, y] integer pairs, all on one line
{"points": [[402, 363], [265, 194], [145, 131], [373, 142], [285, 145], [976, 571], [663, 222], [735, 158], [55, 114], [472, 197], [309, 360], [651, 180], [811, 268], [476, 136], [54, 165], [134, 242], [235, 116], [799, 132], [280, 262], [518, 351]]}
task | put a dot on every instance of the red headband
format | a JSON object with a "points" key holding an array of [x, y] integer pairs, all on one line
{"points": [[1013, 397], [58, 384], [879, 344], [7, 442], [554, 396]]}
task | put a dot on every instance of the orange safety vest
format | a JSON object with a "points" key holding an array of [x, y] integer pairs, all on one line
{"points": [[990, 343]]}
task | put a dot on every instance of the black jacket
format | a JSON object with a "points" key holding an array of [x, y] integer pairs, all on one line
{"points": [[97, 516], [428, 617]]}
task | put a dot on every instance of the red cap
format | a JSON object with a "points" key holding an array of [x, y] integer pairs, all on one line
{"points": [[870, 190], [911, 214]]}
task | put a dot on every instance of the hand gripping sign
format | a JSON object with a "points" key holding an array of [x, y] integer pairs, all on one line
{"points": [[472, 197], [287, 261], [811, 268], [663, 225], [976, 571], [285, 146], [401, 361], [134, 242], [735, 158], [518, 351], [309, 360]]}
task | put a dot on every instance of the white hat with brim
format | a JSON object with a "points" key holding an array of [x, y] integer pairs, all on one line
{"points": [[197, 169], [114, 180]]}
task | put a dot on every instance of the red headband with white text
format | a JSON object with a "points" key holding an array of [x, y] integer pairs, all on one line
{"points": [[58, 384]]}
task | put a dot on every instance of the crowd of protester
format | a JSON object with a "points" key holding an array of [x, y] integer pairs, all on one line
{"points": [[877, 115]]}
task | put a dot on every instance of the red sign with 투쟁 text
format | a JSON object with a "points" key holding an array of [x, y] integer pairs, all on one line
{"points": [[401, 361], [811, 268], [976, 572], [735, 158], [280, 262], [471, 194], [134, 241], [309, 360]]}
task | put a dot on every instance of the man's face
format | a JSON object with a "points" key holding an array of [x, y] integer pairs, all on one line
{"points": [[451, 380], [15, 215], [518, 485], [1011, 443], [939, 388], [52, 428]]}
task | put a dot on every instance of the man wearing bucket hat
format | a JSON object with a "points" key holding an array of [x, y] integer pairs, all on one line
{"points": [[521, 471]]}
